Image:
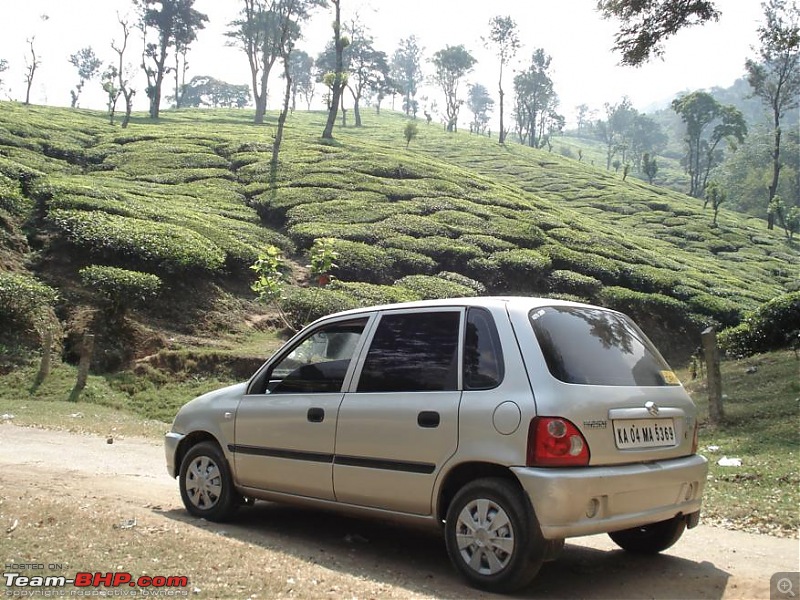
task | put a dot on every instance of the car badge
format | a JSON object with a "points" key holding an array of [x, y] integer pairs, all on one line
{"points": [[652, 408]]}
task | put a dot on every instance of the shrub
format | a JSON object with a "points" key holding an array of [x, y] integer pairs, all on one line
{"points": [[475, 286], [586, 263], [570, 282], [26, 306], [165, 246], [522, 269], [407, 262], [120, 289], [428, 287], [361, 262], [772, 326], [303, 305], [367, 294], [448, 253]]}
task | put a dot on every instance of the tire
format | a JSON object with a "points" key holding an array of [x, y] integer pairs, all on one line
{"points": [[493, 538], [206, 484], [652, 538]]}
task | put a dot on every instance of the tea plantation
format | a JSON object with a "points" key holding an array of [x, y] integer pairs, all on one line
{"points": [[181, 208]]}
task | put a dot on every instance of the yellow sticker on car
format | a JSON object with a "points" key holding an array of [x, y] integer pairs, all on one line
{"points": [[670, 378]]}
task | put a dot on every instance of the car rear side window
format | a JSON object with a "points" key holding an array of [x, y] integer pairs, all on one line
{"points": [[483, 354], [413, 352], [592, 346]]}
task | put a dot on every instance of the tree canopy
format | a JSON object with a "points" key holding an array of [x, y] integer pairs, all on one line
{"points": [[452, 63], [644, 25]]}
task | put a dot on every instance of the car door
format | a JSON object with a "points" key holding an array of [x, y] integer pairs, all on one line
{"points": [[286, 423], [399, 423]]}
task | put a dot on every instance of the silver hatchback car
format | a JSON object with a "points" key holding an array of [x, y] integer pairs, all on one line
{"points": [[511, 423]]}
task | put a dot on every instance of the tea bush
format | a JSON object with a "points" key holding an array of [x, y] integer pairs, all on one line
{"points": [[163, 246], [428, 287], [26, 307], [120, 289], [772, 326]]}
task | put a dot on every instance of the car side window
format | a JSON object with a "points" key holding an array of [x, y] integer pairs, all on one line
{"points": [[413, 352], [483, 354], [319, 362]]}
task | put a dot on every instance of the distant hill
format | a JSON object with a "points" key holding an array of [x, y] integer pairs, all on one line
{"points": [[192, 200]]}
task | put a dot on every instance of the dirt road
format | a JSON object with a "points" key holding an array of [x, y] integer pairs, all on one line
{"points": [[85, 504]]}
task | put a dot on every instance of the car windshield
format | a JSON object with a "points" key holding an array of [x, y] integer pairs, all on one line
{"points": [[592, 346]]}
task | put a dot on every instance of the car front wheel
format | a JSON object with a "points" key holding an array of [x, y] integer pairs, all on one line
{"points": [[492, 536], [206, 483], [651, 538]]}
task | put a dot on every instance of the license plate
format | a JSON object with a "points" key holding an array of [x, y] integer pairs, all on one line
{"points": [[644, 433]]}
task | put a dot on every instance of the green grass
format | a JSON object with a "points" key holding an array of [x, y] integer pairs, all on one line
{"points": [[762, 428]]}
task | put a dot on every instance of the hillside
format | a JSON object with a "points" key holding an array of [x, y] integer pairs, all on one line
{"points": [[192, 200]]}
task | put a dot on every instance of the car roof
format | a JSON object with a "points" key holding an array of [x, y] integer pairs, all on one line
{"points": [[511, 302]]}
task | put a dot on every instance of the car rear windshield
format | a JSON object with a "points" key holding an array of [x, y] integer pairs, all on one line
{"points": [[591, 346]]}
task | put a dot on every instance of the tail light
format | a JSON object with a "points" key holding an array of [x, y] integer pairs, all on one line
{"points": [[555, 442]]}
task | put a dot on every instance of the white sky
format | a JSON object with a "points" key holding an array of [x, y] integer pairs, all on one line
{"points": [[571, 31]]}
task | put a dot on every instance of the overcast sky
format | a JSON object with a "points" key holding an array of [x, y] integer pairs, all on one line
{"points": [[584, 69]]}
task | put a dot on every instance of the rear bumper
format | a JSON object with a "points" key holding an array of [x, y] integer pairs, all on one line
{"points": [[584, 501]]}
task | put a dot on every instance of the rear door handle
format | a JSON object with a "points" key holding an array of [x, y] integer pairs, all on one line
{"points": [[428, 419], [316, 415]]}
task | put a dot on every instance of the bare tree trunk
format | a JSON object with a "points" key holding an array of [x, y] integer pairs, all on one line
{"points": [[715, 411], [336, 92], [776, 168], [83, 366]]}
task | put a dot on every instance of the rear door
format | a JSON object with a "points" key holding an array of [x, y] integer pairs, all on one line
{"points": [[596, 368], [399, 424]]}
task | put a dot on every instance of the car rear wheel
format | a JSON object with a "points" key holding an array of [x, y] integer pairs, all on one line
{"points": [[492, 536], [206, 484], [652, 538]]}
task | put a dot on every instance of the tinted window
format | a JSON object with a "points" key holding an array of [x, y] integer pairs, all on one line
{"points": [[413, 352], [483, 356], [597, 347], [318, 363]]}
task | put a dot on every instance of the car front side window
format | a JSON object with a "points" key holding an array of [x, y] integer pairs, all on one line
{"points": [[319, 362]]}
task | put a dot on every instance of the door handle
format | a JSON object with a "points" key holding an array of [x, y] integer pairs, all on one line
{"points": [[316, 415], [428, 419]]}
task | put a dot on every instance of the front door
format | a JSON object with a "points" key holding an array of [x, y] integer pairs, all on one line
{"points": [[286, 424]]}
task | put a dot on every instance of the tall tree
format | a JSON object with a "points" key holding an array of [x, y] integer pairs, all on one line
{"points": [[367, 67], [644, 25], [700, 111], [123, 86], [406, 70], [3, 68], [452, 63], [174, 25], [646, 138], [504, 39], [204, 90], [480, 103], [31, 64], [339, 76], [301, 67], [775, 74], [290, 14], [257, 33], [535, 96], [88, 66]]}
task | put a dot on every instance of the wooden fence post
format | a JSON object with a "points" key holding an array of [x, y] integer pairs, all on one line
{"points": [[44, 365], [83, 366], [714, 377]]}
